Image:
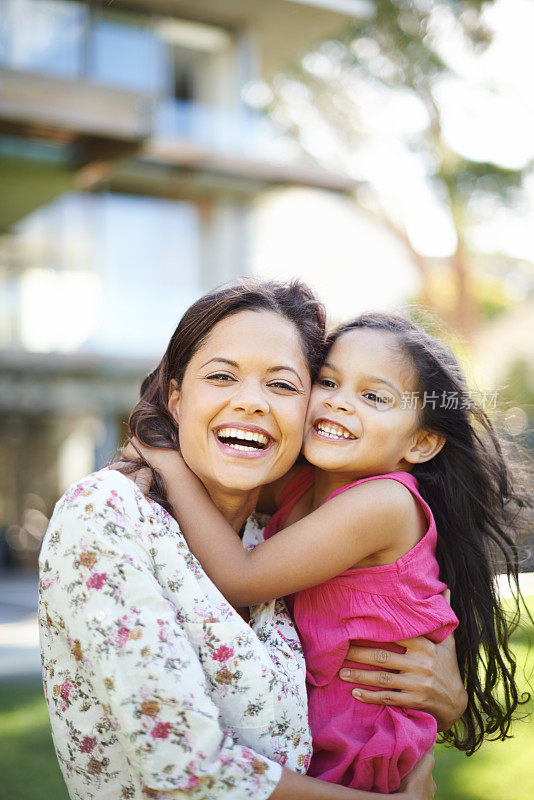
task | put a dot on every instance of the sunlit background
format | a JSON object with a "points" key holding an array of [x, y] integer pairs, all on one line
{"points": [[153, 149]]}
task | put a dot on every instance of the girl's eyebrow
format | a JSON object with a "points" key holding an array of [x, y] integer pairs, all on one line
{"points": [[383, 380], [370, 378], [277, 368]]}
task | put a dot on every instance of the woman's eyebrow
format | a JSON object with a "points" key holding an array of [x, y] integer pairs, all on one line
{"points": [[283, 366], [220, 359]]}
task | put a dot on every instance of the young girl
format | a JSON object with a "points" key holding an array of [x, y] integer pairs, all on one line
{"points": [[407, 474]]}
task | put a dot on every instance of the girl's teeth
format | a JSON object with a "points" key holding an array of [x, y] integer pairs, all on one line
{"points": [[333, 433]]}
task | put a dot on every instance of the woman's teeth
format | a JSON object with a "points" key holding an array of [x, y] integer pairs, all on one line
{"points": [[242, 440], [333, 431]]}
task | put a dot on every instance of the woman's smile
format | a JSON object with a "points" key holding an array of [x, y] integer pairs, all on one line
{"points": [[243, 441]]}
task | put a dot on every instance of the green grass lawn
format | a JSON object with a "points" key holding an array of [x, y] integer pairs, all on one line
{"points": [[498, 771]]}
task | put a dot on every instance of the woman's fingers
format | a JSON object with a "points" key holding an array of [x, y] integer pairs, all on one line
{"points": [[391, 697], [376, 657], [399, 679], [381, 679]]}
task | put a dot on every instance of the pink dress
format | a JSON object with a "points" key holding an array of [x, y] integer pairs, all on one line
{"points": [[364, 746]]}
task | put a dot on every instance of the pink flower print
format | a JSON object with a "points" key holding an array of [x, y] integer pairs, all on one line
{"points": [[76, 493], [161, 730], [192, 781], [122, 636], [88, 744], [223, 653], [65, 689], [97, 580], [163, 634]]}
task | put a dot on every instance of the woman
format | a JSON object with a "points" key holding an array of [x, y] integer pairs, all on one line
{"points": [[156, 687]]}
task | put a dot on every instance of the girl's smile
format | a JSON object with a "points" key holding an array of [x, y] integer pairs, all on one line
{"points": [[332, 431]]}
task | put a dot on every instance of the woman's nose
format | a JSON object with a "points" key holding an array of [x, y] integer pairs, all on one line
{"points": [[250, 399]]}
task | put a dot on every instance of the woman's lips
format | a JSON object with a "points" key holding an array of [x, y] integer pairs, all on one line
{"points": [[243, 441]]}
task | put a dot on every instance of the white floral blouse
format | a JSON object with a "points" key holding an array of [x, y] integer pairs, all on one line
{"points": [[155, 686]]}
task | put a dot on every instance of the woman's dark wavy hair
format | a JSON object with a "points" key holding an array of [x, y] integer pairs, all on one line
{"points": [[150, 421], [476, 501]]}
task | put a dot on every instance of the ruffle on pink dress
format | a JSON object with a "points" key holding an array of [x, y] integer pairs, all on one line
{"points": [[363, 746]]}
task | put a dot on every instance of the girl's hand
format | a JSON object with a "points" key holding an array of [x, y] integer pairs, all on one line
{"points": [[419, 784], [426, 677], [142, 477], [169, 464], [160, 458]]}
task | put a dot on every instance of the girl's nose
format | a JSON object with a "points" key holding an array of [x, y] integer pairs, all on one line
{"points": [[339, 402], [249, 399]]}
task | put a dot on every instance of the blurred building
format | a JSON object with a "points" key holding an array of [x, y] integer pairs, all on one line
{"points": [[132, 145]]}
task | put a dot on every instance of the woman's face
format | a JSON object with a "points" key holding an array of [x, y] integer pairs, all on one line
{"points": [[242, 403]]}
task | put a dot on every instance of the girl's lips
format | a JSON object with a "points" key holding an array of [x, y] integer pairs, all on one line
{"points": [[335, 435], [227, 449]]}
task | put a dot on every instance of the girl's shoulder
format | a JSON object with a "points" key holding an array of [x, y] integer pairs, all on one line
{"points": [[391, 492], [392, 504]]}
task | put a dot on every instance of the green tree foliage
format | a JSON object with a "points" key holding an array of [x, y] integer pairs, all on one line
{"points": [[401, 48]]}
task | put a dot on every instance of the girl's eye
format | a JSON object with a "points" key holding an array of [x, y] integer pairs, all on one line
{"points": [[286, 387], [379, 399], [327, 383]]}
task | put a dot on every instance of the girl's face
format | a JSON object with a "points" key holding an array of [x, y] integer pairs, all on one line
{"points": [[242, 403], [357, 423]]}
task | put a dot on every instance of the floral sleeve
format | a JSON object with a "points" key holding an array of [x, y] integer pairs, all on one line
{"points": [[99, 592]]}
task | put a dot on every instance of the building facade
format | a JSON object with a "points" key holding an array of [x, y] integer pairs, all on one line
{"points": [[131, 149]]}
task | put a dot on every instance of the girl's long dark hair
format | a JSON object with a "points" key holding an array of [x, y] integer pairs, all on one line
{"points": [[150, 421], [477, 502]]}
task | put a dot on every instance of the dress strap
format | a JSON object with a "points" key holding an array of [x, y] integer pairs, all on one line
{"points": [[290, 495], [296, 487], [405, 478]]}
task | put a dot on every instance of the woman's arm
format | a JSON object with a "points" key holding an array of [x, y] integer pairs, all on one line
{"points": [[417, 785], [364, 520]]}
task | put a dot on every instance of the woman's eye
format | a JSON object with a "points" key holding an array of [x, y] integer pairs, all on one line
{"points": [[220, 376], [286, 387]]}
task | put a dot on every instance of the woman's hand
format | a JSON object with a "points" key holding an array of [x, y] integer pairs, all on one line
{"points": [[426, 677], [419, 784]]}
